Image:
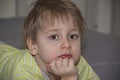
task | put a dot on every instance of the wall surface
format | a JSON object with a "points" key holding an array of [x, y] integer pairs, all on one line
{"points": [[104, 16], [116, 18], [24, 7], [7, 8]]}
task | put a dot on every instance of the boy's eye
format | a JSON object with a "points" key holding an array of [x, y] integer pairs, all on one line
{"points": [[73, 36], [54, 37]]}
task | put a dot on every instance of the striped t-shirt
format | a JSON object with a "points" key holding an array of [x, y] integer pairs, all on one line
{"points": [[18, 64]]}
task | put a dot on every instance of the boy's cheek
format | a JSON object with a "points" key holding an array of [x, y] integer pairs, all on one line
{"points": [[76, 57], [49, 58]]}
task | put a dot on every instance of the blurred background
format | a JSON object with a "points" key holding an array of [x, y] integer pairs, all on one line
{"points": [[100, 15]]}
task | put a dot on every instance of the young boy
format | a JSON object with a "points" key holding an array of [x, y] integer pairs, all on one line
{"points": [[53, 30]]}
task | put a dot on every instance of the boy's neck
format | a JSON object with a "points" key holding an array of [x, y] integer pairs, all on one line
{"points": [[42, 66]]}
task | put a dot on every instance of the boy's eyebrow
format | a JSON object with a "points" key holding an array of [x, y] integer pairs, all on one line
{"points": [[52, 29], [74, 29]]}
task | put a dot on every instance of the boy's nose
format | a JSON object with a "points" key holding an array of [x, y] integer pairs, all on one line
{"points": [[65, 44]]}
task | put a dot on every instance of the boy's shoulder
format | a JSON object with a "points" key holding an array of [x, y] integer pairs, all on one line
{"points": [[13, 62], [85, 71], [27, 68]]}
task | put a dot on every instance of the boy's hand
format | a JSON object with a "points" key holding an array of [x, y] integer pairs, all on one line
{"points": [[65, 68]]}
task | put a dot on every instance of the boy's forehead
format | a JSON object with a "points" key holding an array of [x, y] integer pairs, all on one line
{"points": [[56, 22]]}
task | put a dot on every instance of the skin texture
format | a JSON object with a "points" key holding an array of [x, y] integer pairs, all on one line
{"points": [[57, 49]]}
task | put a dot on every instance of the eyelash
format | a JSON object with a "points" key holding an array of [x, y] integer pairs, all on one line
{"points": [[57, 37]]}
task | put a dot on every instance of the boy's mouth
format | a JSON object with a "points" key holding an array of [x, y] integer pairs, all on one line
{"points": [[65, 56]]}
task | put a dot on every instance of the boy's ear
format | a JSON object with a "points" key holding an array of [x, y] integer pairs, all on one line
{"points": [[32, 47]]}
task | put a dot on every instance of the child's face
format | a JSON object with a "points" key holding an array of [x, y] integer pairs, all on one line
{"points": [[62, 38]]}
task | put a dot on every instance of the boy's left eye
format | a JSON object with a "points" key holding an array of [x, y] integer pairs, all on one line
{"points": [[73, 36]]}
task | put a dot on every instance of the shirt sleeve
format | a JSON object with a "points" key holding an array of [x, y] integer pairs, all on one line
{"points": [[10, 67], [85, 71], [9, 57], [25, 72], [27, 69]]}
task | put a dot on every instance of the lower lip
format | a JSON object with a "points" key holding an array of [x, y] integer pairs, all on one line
{"points": [[65, 56]]}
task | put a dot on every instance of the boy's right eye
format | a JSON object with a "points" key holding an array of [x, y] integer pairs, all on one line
{"points": [[54, 37]]}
